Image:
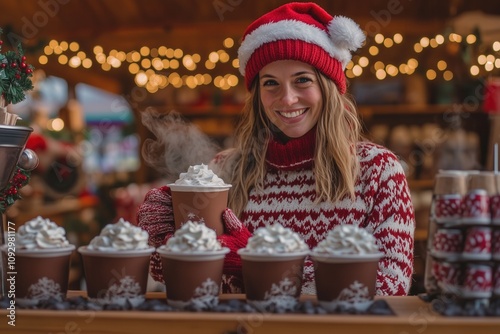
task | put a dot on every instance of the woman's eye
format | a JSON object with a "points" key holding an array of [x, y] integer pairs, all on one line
{"points": [[269, 83], [302, 80]]}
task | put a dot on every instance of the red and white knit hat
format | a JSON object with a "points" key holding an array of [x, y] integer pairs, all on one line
{"points": [[303, 32]]}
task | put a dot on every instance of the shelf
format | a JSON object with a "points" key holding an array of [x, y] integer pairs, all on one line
{"points": [[405, 109], [54, 211], [421, 184]]}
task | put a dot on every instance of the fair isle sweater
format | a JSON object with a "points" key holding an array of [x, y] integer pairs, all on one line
{"points": [[382, 205]]}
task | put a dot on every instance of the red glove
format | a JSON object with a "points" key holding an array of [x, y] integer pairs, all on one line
{"points": [[155, 215], [235, 237]]}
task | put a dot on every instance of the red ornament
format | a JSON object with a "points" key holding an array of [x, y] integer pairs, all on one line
{"points": [[13, 65]]}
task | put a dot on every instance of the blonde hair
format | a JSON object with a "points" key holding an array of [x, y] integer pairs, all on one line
{"points": [[336, 165]]}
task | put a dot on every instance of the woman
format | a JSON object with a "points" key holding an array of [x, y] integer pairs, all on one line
{"points": [[298, 158]]}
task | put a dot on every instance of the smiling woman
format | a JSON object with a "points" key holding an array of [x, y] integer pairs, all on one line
{"points": [[298, 158]]}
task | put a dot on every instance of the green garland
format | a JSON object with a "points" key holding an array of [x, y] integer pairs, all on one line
{"points": [[10, 194], [15, 75], [15, 81]]}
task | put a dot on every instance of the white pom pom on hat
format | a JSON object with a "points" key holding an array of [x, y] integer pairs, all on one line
{"points": [[345, 33], [304, 32]]}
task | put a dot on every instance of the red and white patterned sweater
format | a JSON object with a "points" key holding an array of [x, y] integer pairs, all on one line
{"points": [[382, 205]]}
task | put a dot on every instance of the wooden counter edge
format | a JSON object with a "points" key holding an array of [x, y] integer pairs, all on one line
{"points": [[408, 309]]}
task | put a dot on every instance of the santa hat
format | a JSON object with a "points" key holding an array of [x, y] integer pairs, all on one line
{"points": [[303, 32]]}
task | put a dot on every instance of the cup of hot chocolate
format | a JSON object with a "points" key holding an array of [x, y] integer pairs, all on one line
{"points": [[116, 264], [41, 260], [272, 265], [192, 262], [345, 268], [199, 194]]}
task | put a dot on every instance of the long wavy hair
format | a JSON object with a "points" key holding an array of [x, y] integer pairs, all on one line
{"points": [[336, 165]]}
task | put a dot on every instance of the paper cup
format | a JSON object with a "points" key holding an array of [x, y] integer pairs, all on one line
{"points": [[450, 182], [447, 276], [448, 209], [476, 208], [116, 277], [41, 274], [207, 203], [483, 180], [478, 242], [496, 280], [478, 282], [192, 278], [495, 244], [447, 244], [345, 280], [495, 209], [272, 280]]}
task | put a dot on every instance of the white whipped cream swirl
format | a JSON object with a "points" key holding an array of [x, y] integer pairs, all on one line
{"points": [[275, 239], [347, 240], [40, 233], [120, 236], [193, 237], [200, 175]]}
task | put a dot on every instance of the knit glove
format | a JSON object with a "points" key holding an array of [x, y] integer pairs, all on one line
{"points": [[155, 215], [235, 237]]}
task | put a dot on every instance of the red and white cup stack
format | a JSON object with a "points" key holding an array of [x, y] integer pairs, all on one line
{"points": [[445, 241], [449, 190]]}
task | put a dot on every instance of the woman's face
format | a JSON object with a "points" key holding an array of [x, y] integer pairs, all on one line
{"points": [[291, 96]]}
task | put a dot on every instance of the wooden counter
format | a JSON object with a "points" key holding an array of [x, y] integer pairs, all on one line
{"points": [[412, 316]]}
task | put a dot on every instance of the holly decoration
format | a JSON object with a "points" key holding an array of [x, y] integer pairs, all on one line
{"points": [[10, 194], [15, 75]]}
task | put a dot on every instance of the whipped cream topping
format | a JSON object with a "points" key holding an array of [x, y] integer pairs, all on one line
{"points": [[40, 233], [120, 236], [200, 175], [275, 239], [347, 240], [193, 237]]}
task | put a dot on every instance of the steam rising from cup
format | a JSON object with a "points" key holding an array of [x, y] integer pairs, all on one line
{"points": [[178, 145]]}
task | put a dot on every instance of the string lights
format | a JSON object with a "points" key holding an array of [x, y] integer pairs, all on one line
{"points": [[157, 68], [152, 68]]}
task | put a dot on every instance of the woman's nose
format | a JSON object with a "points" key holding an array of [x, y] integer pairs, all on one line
{"points": [[288, 95]]}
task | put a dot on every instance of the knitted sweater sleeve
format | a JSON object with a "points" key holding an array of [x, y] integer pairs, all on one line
{"points": [[393, 221], [155, 215]]}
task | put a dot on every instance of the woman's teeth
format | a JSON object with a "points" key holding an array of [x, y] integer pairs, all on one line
{"points": [[293, 113]]}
